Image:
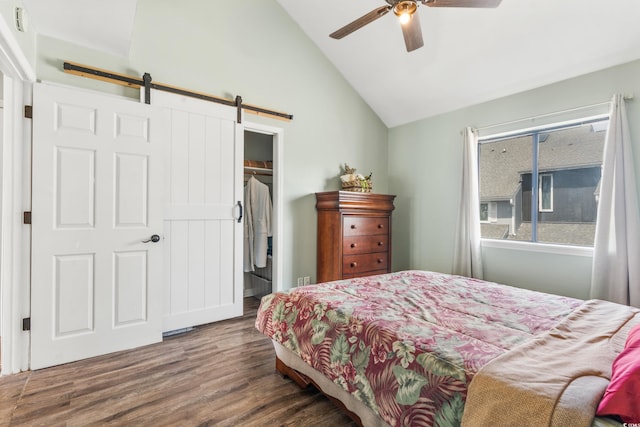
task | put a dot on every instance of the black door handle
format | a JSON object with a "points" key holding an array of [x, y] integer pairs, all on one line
{"points": [[155, 239], [240, 206]]}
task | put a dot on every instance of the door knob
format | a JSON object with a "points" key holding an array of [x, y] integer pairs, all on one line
{"points": [[155, 239]]}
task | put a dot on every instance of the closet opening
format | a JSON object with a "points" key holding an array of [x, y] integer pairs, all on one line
{"points": [[262, 197]]}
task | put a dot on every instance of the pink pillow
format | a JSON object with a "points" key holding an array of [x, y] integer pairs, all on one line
{"points": [[622, 397]]}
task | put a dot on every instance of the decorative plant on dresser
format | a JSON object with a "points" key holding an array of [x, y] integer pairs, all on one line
{"points": [[354, 234]]}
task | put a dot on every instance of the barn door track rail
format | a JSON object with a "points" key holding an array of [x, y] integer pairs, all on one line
{"points": [[146, 82]]}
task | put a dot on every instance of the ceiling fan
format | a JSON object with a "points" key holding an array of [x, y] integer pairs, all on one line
{"points": [[405, 11]]}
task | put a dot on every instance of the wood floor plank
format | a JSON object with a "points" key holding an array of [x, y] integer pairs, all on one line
{"points": [[222, 374]]}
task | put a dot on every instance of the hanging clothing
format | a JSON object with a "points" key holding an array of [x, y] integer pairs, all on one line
{"points": [[257, 224]]}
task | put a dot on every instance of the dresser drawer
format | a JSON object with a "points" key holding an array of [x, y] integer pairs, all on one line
{"points": [[353, 245], [365, 226], [352, 264]]}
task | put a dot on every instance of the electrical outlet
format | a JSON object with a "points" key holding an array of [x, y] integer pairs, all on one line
{"points": [[300, 281], [307, 280]]}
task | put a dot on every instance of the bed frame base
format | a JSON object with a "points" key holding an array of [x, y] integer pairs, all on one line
{"points": [[304, 381]]}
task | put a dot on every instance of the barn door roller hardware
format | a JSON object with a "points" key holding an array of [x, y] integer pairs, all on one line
{"points": [[148, 84]]}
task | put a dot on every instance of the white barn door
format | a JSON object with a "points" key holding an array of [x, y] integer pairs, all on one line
{"points": [[97, 196], [203, 237]]}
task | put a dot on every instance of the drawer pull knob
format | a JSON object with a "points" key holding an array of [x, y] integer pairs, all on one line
{"points": [[353, 226], [354, 264], [353, 245], [380, 226], [380, 243], [379, 260]]}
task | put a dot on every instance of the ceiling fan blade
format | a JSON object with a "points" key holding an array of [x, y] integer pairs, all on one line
{"points": [[461, 3], [412, 33], [360, 22]]}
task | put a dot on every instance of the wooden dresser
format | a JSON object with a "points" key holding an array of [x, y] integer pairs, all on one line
{"points": [[354, 234]]}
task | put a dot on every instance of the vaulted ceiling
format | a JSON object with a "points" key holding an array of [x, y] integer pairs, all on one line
{"points": [[469, 55]]}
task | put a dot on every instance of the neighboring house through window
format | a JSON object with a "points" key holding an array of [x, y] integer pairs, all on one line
{"points": [[542, 185]]}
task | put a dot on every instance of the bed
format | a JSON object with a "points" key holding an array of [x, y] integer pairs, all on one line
{"points": [[423, 349]]}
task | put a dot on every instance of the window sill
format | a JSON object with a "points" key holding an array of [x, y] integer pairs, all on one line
{"points": [[546, 248]]}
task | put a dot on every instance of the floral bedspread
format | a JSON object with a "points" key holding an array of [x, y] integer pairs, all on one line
{"points": [[407, 344]]}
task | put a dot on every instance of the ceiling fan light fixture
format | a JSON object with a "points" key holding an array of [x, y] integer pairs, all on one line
{"points": [[404, 18], [404, 10]]}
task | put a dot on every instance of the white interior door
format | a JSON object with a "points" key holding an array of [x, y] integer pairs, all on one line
{"points": [[97, 195], [203, 185]]}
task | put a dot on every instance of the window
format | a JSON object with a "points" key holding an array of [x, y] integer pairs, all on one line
{"points": [[542, 185], [488, 212], [545, 190], [484, 212]]}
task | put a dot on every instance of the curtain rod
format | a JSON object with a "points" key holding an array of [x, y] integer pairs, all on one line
{"points": [[627, 97], [145, 81]]}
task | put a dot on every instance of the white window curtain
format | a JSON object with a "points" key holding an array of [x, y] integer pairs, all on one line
{"points": [[467, 259], [616, 254]]}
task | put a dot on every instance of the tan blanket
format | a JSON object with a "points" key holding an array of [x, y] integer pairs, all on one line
{"points": [[556, 379]]}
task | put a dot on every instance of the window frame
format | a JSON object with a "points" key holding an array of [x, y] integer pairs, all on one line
{"points": [[492, 208], [535, 132], [540, 192]]}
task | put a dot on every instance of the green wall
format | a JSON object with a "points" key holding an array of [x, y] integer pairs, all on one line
{"points": [[253, 49], [425, 172]]}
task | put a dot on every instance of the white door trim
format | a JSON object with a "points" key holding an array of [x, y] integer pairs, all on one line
{"points": [[13, 62], [16, 198], [278, 180]]}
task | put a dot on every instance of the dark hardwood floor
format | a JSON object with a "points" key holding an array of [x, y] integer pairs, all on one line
{"points": [[218, 374]]}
